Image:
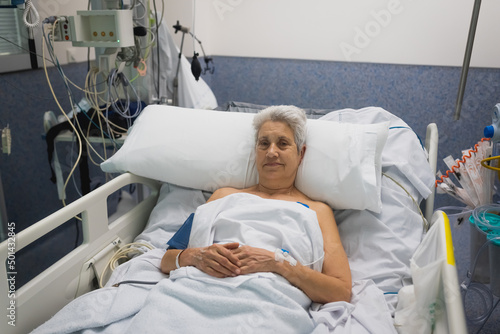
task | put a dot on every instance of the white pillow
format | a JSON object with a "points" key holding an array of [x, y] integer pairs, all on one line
{"points": [[342, 164], [205, 149]]}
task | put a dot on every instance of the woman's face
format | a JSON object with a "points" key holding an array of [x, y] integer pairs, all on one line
{"points": [[276, 152]]}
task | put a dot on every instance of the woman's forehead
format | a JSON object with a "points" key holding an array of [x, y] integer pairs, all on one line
{"points": [[275, 128]]}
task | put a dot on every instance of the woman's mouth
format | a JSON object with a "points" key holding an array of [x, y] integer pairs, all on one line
{"points": [[272, 164]]}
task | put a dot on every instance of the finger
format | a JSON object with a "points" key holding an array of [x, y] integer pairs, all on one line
{"points": [[217, 256], [227, 252], [220, 259], [231, 245], [230, 264], [247, 269], [223, 271], [212, 265]]}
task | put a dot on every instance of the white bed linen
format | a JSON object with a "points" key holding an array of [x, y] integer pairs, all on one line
{"points": [[378, 246], [190, 299], [263, 223]]}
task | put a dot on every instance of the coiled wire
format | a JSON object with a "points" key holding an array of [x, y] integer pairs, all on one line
{"points": [[30, 10]]}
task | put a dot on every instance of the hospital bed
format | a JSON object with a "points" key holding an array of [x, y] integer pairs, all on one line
{"points": [[402, 264]]}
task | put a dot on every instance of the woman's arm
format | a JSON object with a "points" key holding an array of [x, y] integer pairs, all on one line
{"points": [[215, 260], [332, 284]]}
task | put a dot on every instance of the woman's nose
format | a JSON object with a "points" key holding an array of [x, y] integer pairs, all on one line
{"points": [[271, 151]]}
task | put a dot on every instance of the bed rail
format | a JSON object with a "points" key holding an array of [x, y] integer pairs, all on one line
{"points": [[60, 283], [433, 304], [431, 145]]}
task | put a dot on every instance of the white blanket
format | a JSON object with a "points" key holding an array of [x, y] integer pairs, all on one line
{"points": [[254, 221], [190, 301]]}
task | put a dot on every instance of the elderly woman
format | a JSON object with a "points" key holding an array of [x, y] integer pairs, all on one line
{"points": [[254, 261], [280, 147]]}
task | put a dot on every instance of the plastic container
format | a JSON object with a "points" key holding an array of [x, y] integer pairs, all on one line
{"points": [[477, 239], [486, 220], [494, 253], [457, 215]]}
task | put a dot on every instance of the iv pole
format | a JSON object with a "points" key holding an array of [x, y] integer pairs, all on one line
{"points": [[468, 53]]}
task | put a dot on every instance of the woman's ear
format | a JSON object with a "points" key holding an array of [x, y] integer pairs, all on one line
{"points": [[302, 153]]}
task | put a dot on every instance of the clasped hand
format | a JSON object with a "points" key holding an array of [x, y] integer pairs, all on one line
{"points": [[230, 260]]}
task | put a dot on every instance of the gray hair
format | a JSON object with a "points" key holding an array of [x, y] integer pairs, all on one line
{"points": [[293, 116]]}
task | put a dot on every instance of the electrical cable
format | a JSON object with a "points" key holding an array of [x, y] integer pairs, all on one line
{"points": [[30, 9], [74, 121], [193, 24], [102, 137], [424, 221], [65, 79], [65, 115], [134, 282], [124, 252], [95, 97], [71, 159], [116, 81], [143, 6], [157, 51], [23, 48]]}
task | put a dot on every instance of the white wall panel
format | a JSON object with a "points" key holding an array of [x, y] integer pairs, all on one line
{"points": [[423, 32]]}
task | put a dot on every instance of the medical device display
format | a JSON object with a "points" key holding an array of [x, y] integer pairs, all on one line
{"points": [[101, 28]]}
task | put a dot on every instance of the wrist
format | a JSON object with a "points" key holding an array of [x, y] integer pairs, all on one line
{"points": [[178, 259]]}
